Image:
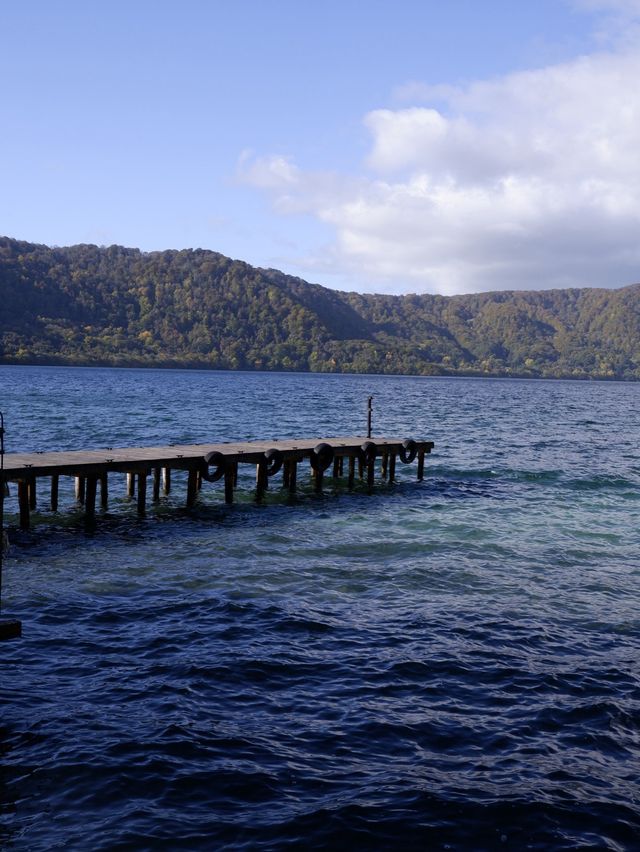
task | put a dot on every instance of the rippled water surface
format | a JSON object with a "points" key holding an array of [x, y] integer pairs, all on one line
{"points": [[453, 664]]}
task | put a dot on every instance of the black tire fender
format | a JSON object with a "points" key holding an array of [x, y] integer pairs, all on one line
{"points": [[219, 463], [274, 460], [368, 452], [408, 451], [321, 457]]}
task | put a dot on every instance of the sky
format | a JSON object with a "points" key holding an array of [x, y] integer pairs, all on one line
{"points": [[396, 146]]}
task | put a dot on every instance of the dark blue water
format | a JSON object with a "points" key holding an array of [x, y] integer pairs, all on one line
{"points": [[447, 665]]}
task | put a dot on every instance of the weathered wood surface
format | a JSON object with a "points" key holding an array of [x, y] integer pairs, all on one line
{"points": [[81, 463]]}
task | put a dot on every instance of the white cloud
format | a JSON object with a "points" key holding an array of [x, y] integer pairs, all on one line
{"points": [[531, 180]]}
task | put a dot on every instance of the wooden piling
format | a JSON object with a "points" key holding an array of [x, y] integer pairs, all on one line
{"points": [[352, 471], [192, 488], [261, 479], [23, 503], [156, 484], [32, 495], [54, 492], [131, 485], [90, 498], [104, 490], [80, 484], [371, 473], [392, 467], [420, 465], [166, 480], [293, 476], [384, 465], [142, 493], [229, 479], [336, 467]]}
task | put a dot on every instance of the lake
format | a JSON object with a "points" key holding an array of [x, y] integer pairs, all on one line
{"points": [[452, 664]]}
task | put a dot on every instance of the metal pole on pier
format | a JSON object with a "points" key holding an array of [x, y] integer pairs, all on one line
{"points": [[369, 412]]}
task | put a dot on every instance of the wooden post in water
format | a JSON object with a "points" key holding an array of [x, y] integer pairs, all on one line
{"points": [[156, 484], [166, 480], [336, 467], [104, 490], [293, 476], [80, 489], [371, 473], [90, 498], [32, 494], [54, 492], [352, 470], [384, 465], [23, 503], [392, 467], [131, 485], [420, 465], [229, 478], [142, 493], [261, 479], [192, 488]]}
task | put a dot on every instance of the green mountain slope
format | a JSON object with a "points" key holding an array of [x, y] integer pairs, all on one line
{"points": [[90, 305]]}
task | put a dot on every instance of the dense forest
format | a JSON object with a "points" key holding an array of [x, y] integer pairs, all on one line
{"points": [[117, 306]]}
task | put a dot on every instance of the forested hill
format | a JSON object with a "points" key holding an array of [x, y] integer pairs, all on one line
{"points": [[119, 306]]}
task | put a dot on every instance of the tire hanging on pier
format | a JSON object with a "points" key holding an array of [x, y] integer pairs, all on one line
{"points": [[408, 451], [219, 463], [274, 459], [368, 452], [321, 457]]}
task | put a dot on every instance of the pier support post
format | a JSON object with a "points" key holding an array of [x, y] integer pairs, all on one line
{"points": [[33, 502], [104, 490], [23, 503], [131, 485], [90, 499], [192, 488], [371, 473], [293, 476], [352, 470], [261, 480], [142, 493], [360, 468], [166, 480], [80, 488], [392, 467], [384, 469], [336, 467], [229, 477], [420, 465], [318, 475], [54, 492], [156, 484]]}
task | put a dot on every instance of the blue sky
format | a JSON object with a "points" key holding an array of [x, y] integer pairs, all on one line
{"points": [[375, 146]]}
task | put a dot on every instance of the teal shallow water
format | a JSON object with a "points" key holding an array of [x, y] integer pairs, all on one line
{"points": [[452, 664]]}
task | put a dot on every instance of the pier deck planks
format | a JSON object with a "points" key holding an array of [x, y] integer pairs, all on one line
{"points": [[18, 466]]}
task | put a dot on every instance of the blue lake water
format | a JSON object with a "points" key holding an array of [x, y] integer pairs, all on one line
{"points": [[452, 664]]}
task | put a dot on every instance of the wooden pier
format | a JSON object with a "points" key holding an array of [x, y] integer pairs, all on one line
{"points": [[337, 457], [148, 470]]}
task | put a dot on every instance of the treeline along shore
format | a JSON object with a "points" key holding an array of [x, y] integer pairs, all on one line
{"points": [[89, 305]]}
